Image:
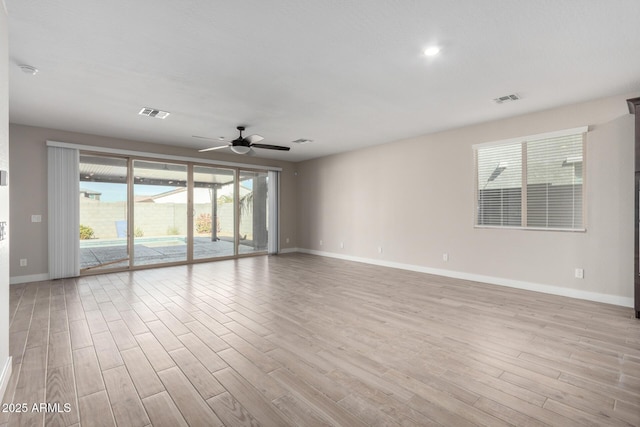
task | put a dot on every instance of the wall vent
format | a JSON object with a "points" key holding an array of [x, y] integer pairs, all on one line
{"points": [[152, 112], [506, 98]]}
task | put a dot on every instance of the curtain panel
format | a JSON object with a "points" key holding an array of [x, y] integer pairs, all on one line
{"points": [[274, 202], [64, 212]]}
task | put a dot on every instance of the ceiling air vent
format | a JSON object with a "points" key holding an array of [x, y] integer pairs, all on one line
{"points": [[506, 98], [302, 141], [152, 112]]}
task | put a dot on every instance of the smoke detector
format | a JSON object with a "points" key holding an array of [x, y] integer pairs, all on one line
{"points": [[506, 98], [153, 112]]}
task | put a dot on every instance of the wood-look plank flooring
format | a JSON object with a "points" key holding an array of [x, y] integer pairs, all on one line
{"points": [[304, 340]]}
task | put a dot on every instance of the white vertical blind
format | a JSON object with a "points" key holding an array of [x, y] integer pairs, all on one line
{"points": [[64, 212], [273, 191], [533, 182]]}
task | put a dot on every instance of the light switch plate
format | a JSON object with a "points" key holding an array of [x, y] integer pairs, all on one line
{"points": [[3, 178]]}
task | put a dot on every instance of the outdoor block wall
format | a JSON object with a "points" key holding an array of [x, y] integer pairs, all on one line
{"points": [[155, 219]]}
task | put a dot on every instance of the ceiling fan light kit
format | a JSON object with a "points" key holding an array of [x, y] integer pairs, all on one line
{"points": [[240, 149], [244, 145]]}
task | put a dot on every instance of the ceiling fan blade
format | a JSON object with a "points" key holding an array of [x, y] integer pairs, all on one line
{"points": [[213, 148], [204, 137], [271, 147], [253, 138]]}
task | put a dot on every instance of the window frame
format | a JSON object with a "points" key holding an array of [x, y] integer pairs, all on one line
{"points": [[583, 130]]}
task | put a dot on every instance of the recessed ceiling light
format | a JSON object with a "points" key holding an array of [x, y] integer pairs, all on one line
{"points": [[302, 141], [432, 51], [28, 69]]}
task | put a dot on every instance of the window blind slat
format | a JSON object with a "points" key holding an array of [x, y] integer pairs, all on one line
{"points": [[553, 183], [499, 185]]}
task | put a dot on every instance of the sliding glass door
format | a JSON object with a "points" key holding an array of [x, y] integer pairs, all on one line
{"points": [[103, 212], [213, 212], [137, 212], [160, 201], [253, 207]]}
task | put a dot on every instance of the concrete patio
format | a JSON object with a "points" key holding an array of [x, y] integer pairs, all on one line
{"points": [[172, 249]]}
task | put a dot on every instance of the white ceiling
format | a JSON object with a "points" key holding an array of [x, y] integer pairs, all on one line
{"points": [[346, 74]]}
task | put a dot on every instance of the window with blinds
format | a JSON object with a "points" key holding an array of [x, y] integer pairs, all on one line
{"points": [[532, 182]]}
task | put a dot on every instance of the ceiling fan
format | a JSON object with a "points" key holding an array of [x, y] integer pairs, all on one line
{"points": [[243, 145]]}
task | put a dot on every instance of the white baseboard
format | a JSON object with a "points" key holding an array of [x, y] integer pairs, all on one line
{"points": [[518, 284], [289, 250], [5, 376], [29, 278]]}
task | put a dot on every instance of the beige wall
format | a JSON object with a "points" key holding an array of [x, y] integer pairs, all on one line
{"points": [[415, 199], [28, 156], [4, 191]]}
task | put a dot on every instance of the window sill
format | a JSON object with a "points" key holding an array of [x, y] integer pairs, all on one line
{"points": [[505, 227]]}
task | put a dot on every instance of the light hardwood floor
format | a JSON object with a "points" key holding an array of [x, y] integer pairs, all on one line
{"points": [[304, 340]]}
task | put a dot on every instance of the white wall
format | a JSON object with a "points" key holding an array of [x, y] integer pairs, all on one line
{"points": [[4, 196], [415, 199]]}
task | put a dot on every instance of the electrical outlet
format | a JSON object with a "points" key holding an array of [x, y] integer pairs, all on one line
{"points": [[342, 245], [23, 262], [579, 273], [445, 257], [379, 249], [3, 230], [320, 242], [287, 240], [36, 218]]}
